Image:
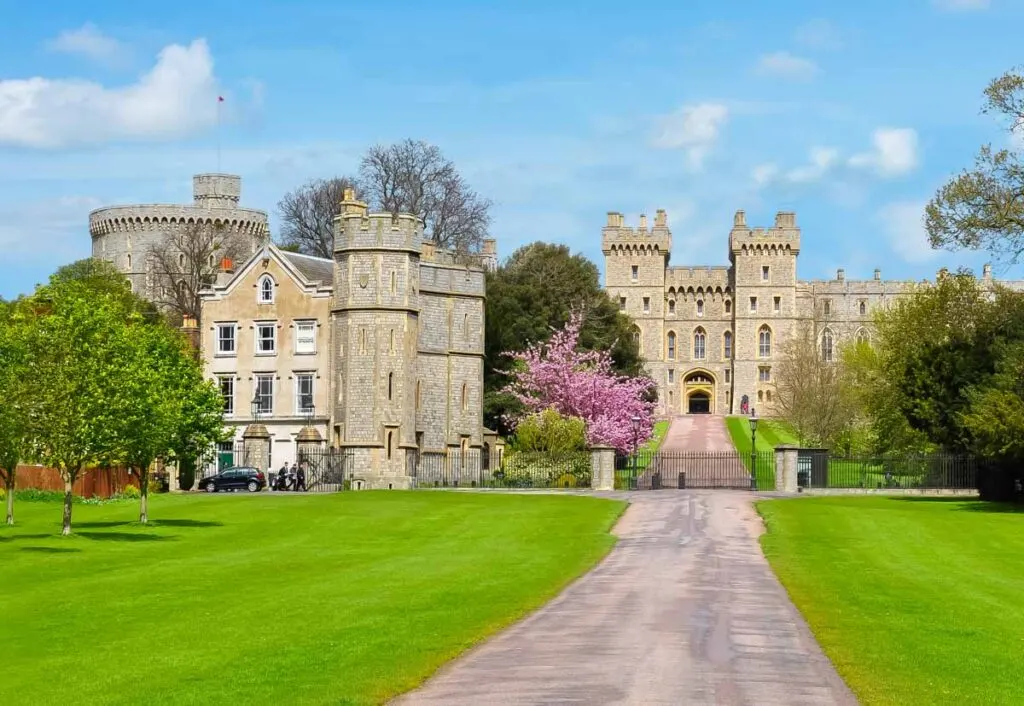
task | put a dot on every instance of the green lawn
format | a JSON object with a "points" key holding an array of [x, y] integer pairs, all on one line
{"points": [[916, 600], [345, 598], [770, 433]]}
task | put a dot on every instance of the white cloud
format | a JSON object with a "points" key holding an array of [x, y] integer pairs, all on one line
{"points": [[822, 159], [694, 129], [903, 223], [786, 65], [819, 34], [961, 5], [176, 97], [894, 153], [88, 41], [763, 173]]}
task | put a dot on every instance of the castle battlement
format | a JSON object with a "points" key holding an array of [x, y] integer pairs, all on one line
{"points": [[616, 236], [783, 235], [216, 190], [355, 227], [697, 277]]}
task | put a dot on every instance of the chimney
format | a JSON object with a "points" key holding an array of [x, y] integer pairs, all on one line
{"points": [[226, 265], [841, 274], [878, 275], [740, 219], [660, 218], [986, 271], [349, 204], [643, 221], [489, 247]]}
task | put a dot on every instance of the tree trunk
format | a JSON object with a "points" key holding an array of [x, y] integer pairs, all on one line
{"points": [[10, 496], [144, 494], [69, 482]]}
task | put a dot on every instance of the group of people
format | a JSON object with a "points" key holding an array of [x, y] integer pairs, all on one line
{"points": [[293, 478]]}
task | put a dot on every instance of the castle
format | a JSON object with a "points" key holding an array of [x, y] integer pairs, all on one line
{"points": [[380, 349], [711, 336]]}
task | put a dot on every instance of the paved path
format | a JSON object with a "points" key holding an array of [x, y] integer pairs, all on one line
{"points": [[683, 611], [697, 432]]}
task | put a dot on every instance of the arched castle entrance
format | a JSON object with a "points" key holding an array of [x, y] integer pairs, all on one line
{"points": [[699, 392]]}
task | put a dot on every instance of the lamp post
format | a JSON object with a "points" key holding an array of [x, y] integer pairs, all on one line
{"points": [[310, 412], [636, 434], [753, 449], [255, 408]]}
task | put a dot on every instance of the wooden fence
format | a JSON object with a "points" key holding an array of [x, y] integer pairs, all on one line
{"points": [[96, 482]]}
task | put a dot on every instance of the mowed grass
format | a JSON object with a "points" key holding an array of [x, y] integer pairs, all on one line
{"points": [[770, 433], [916, 600], [347, 598]]}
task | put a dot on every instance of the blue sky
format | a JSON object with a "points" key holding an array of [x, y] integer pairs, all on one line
{"points": [[851, 114]]}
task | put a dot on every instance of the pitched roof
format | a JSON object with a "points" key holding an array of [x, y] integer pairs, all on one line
{"points": [[314, 269]]}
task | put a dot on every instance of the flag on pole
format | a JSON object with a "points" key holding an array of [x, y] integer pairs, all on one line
{"points": [[220, 99]]}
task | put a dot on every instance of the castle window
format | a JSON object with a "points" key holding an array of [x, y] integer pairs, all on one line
{"points": [[465, 397], [465, 326], [764, 340], [728, 306], [863, 307], [727, 345], [760, 395], [636, 272], [647, 305], [127, 241], [671, 345], [764, 373], [391, 386], [637, 341], [419, 394], [768, 395], [671, 306], [728, 375], [181, 261], [622, 303], [266, 290], [128, 260], [671, 375], [266, 338], [862, 336], [764, 273], [753, 304], [698, 344], [826, 346], [390, 444], [700, 307], [394, 281], [391, 341], [826, 307], [362, 340], [777, 304]]}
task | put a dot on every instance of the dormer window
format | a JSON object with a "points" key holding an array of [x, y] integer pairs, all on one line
{"points": [[266, 290]]}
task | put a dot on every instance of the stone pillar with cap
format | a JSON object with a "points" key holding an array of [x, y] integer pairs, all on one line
{"points": [[308, 445], [256, 446]]}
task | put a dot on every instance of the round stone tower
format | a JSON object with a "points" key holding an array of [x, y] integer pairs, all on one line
{"points": [[125, 235]]}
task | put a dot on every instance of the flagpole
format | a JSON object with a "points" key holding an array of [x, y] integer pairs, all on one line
{"points": [[220, 99]]}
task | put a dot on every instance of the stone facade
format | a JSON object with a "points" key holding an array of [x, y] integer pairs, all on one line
{"points": [[710, 336], [125, 235]]}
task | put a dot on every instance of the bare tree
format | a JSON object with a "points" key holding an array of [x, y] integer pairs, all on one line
{"points": [[187, 261], [810, 393], [415, 177], [307, 215]]}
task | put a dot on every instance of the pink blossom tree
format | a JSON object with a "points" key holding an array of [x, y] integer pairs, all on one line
{"points": [[582, 384]]}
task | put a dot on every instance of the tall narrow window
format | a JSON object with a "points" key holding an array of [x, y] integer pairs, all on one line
{"points": [[826, 346], [647, 305], [227, 393], [727, 345], [636, 272], [265, 394], [671, 345], [728, 306], [465, 397], [266, 290], [622, 303], [391, 341], [465, 326], [699, 338], [671, 375], [753, 304], [636, 340], [226, 339], [128, 260], [826, 307], [777, 304], [764, 273], [394, 281], [728, 375], [391, 385], [700, 307], [671, 306], [419, 394], [863, 307], [764, 341], [266, 338], [862, 336], [304, 393], [362, 340], [181, 261], [391, 438]]}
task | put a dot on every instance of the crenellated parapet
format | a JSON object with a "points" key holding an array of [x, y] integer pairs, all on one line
{"points": [[356, 228], [617, 237], [782, 237]]}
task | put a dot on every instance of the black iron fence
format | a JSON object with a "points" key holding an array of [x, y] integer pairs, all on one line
{"points": [[821, 469], [326, 470], [654, 470], [476, 469]]}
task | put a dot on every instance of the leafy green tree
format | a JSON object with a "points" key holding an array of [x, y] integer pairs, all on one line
{"points": [[983, 208], [550, 432], [15, 381], [532, 294]]}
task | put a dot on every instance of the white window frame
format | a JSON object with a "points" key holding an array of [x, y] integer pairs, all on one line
{"points": [[298, 327], [260, 396], [299, 375], [257, 338], [260, 298], [229, 401], [220, 328]]}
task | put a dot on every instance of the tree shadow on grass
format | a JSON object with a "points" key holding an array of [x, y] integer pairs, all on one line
{"points": [[17, 537], [966, 504], [103, 525], [185, 523], [123, 537], [51, 550]]}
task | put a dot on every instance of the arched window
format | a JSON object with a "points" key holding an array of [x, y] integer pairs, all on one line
{"points": [[465, 326], [266, 290], [128, 241], [671, 345], [826, 346], [862, 336], [128, 260], [671, 306], [391, 385], [727, 345], [728, 306], [636, 339], [863, 308], [764, 342], [391, 342], [700, 307], [181, 260], [699, 338]]}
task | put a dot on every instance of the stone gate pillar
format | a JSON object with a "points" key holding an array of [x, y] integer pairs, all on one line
{"points": [[786, 468], [602, 468], [256, 447]]}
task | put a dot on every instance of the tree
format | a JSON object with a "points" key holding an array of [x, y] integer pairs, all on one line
{"points": [[809, 391], [187, 261], [76, 354], [307, 215], [583, 384], [531, 294], [983, 208], [14, 396], [413, 176]]}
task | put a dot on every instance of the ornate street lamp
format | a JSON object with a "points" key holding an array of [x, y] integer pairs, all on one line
{"points": [[753, 449], [255, 408], [310, 412]]}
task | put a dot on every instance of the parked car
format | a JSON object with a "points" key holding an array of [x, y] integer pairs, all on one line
{"points": [[237, 478]]}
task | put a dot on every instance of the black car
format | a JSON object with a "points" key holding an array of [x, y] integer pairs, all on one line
{"points": [[240, 478]]}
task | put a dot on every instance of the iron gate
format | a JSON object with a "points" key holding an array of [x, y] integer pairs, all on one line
{"points": [[695, 469]]}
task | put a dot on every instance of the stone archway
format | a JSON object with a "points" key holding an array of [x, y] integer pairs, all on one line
{"points": [[699, 392]]}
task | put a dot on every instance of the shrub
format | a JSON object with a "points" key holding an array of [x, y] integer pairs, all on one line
{"points": [[525, 469], [132, 492], [3, 494], [34, 495], [550, 432]]}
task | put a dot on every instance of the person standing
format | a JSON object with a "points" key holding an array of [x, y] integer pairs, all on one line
{"points": [[300, 476]]}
